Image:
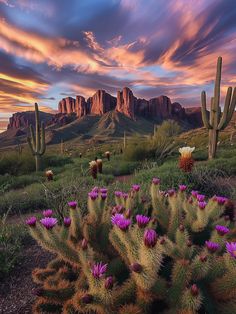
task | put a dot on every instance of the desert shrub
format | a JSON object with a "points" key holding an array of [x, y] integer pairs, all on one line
{"points": [[11, 239], [173, 257], [162, 144], [226, 165], [9, 182], [120, 167], [14, 164]]}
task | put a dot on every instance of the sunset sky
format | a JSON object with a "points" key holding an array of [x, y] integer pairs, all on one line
{"points": [[58, 48]]}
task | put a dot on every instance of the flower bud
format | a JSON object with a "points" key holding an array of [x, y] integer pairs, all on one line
{"points": [[136, 267], [194, 290], [84, 244], [87, 298], [109, 283]]}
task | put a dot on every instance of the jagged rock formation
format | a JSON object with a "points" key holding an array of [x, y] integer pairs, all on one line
{"points": [[101, 102], [81, 107], [158, 108], [69, 109], [126, 102], [21, 120]]}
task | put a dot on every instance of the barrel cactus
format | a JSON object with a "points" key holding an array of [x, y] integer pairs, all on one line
{"points": [[173, 256]]}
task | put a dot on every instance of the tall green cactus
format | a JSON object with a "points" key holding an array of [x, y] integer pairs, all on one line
{"points": [[217, 121], [36, 141]]}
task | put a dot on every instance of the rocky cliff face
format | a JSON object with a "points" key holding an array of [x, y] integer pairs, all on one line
{"points": [[158, 109], [126, 102], [101, 102], [22, 120], [81, 107]]}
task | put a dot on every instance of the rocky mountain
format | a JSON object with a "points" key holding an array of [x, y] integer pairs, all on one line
{"points": [[102, 114], [158, 108]]}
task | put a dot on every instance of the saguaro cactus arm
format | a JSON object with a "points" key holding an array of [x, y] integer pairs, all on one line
{"points": [[217, 121], [229, 108], [204, 111]]}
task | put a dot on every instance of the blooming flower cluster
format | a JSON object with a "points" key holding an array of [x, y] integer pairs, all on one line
{"points": [[120, 221], [98, 270]]}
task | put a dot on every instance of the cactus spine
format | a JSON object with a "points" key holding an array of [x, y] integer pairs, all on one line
{"points": [[36, 140], [217, 122]]}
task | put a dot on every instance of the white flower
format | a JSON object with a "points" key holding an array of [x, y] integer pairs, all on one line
{"points": [[92, 163], [49, 172], [107, 153], [186, 152], [99, 161]]}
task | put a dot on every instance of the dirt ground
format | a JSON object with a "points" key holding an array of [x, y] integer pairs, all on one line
{"points": [[16, 290]]}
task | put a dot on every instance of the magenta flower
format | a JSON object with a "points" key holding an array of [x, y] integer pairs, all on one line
{"points": [[118, 193], [109, 282], [103, 196], [125, 195], [212, 246], [182, 187], [48, 222], [200, 197], [136, 187], [31, 221], [120, 221], [47, 213], [142, 220], [194, 194], [150, 238], [93, 195], [103, 191], [222, 230], [231, 248], [95, 189], [156, 181], [221, 200], [98, 270], [72, 204], [202, 205], [171, 192], [67, 221]]}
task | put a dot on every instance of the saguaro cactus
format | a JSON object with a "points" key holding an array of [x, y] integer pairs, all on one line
{"points": [[36, 141], [217, 122]]}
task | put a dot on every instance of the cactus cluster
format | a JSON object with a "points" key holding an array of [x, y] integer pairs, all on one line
{"points": [[169, 253], [36, 141], [217, 121]]}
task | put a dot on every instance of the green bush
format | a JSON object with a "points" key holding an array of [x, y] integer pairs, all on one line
{"points": [[11, 239], [161, 145], [9, 182], [14, 164]]}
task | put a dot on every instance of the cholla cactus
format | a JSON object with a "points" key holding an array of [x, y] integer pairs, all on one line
{"points": [[93, 168], [186, 161], [176, 259], [99, 165], [108, 155], [49, 175]]}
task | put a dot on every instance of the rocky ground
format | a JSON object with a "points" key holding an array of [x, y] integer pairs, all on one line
{"points": [[16, 295]]}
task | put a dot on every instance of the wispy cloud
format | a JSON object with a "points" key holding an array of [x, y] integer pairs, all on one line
{"points": [[159, 47]]}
